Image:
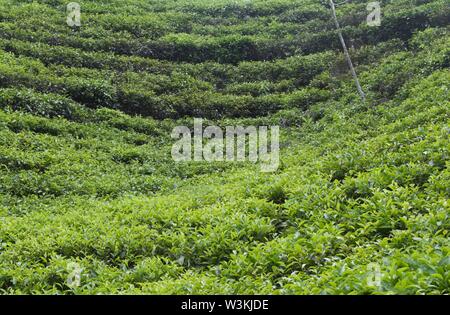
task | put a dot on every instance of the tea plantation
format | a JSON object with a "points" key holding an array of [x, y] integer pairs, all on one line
{"points": [[91, 201]]}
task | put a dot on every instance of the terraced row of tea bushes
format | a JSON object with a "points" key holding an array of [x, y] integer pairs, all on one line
{"points": [[293, 67], [151, 97], [400, 21], [111, 155]]}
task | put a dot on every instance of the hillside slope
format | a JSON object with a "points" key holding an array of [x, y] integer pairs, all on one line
{"points": [[87, 179]]}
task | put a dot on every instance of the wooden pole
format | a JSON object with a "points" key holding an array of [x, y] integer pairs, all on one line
{"points": [[347, 55]]}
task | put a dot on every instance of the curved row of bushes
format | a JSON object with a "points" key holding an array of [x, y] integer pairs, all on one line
{"points": [[398, 22]]}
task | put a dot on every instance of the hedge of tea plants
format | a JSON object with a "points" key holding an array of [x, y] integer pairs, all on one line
{"points": [[87, 178]]}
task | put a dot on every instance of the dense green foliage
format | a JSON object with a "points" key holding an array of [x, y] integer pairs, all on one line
{"points": [[86, 174]]}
